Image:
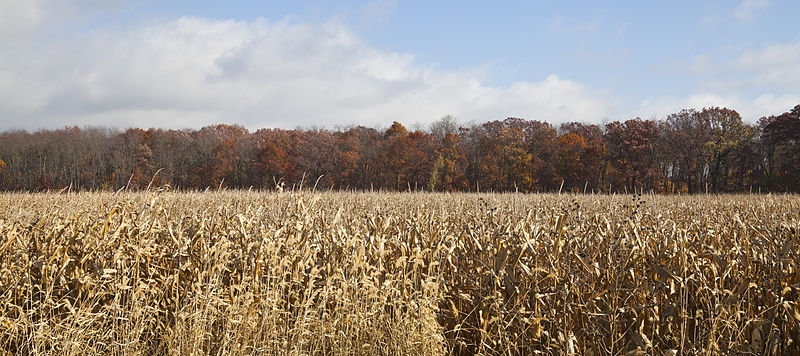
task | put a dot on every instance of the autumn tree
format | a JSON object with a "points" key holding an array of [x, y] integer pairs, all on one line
{"points": [[568, 159], [631, 152], [684, 136], [587, 172], [405, 159], [3, 179], [317, 155], [690, 151], [122, 156], [272, 161], [448, 172], [780, 137], [727, 132], [540, 142], [445, 125], [144, 171], [220, 149], [421, 155], [173, 154], [357, 163], [745, 165], [505, 163]]}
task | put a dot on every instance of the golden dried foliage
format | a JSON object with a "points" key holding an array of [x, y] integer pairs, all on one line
{"points": [[303, 273]]}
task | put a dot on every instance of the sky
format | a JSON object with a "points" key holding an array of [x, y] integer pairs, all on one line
{"points": [[331, 64]]}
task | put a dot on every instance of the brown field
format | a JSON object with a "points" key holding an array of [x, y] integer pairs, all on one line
{"points": [[306, 273]]}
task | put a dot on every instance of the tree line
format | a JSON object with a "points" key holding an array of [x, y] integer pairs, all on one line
{"points": [[691, 151]]}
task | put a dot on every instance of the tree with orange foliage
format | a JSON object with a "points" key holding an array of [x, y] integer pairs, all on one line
{"points": [[405, 159], [503, 164], [220, 155], [348, 162], [4, 182], [540, 141], [2, 173], [359, 147], [273, 161], [591, 165], [391, 159]]}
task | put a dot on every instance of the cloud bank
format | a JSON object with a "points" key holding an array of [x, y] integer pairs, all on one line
{"points": [[191, 72]]}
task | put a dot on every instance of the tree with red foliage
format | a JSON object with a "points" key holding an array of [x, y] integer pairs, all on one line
{"points": [[631, 153], [691, 151], [317, 154]]}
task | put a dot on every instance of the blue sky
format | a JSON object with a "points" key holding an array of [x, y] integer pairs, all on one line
{"points": [[334, 63]]}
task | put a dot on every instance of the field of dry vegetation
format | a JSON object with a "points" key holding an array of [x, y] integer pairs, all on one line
{"points": [[305, 273]]}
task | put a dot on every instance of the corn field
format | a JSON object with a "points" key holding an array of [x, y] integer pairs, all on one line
{"points": [[318, 273]]}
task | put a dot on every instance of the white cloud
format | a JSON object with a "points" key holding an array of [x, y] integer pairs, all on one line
{"points": [[751, 109], [756, 83], [775, 65], [192, 72], [748, 9], [19, 17], [772, 67]]}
